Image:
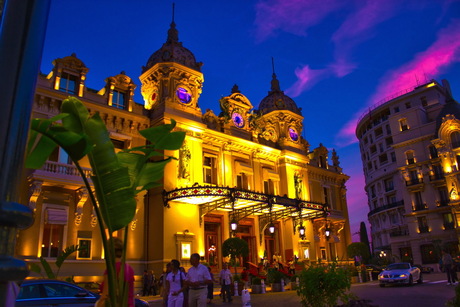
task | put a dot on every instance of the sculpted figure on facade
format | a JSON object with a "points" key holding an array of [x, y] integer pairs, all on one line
{"points": [[184, 162]]}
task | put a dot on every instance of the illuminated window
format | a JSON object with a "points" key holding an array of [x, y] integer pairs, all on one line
{"points": [[209, 170], [422, 224], [410, 159], [455, 139], [53, 231], [433, 152], [68, 83], [119, 100], [403, 126], [269, 186], [448, 221], [242, 181]]}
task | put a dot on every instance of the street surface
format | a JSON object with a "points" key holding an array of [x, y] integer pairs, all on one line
{"points": [[432, 293]]}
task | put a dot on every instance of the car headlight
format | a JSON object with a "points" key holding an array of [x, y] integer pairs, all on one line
{"points": [[403, 275]]}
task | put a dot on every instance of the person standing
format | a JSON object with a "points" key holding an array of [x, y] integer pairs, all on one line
{"points": [[448, 263], [128, 272], [197, 279], [175, 285], [153, 283], [225, 279], [210, 287], [146, 283], [163, 292]]}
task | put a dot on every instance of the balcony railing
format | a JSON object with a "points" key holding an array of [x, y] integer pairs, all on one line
{"points": [[424, 229], [442, 202], [399, 232], [386, 207], [64, 169], [436, 177], [418, 207], [414, 181], [448, 226]]}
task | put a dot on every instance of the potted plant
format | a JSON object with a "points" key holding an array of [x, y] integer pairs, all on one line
{"points": [[256, 286], [274, 277], [235, 248]]}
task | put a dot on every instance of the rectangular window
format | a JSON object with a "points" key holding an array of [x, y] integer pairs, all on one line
{"points": [[388, 129], [68, 83], [443, 196], [393, 156], [403, 126], [242, 181], [389, 141], [209, 170], [269, 187], [53, 232], [326, 195], [118, 144], [422, 224], [448, 221], [433, 152], [418, 202], [389, 185], [378, 132], [373, 149], [383, 158], [424, 101], [410, 157], [428, 254], [118, 100], [396, 109], [408, 105]]}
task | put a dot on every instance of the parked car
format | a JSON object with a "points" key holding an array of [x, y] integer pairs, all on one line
{"points": [[400, 273], [49, 292], [90, 286], [424, 269]]}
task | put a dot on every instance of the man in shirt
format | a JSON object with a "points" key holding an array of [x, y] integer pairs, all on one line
{"points": [[197, 279], [225, 279]]}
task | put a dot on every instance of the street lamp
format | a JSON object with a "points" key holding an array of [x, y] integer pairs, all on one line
{"points": [[302, 231], [271, 228], [233, 224]]}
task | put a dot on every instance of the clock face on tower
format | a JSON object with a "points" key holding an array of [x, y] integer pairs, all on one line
{"points": [[238, 120], [151, 98], [183, 94], [293, 134]]}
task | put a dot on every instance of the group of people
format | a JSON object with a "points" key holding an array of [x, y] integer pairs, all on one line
{"points": [[187, 289], [149, 283]]}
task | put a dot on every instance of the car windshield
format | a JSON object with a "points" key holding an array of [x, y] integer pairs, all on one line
{"points": [[398, 266]]}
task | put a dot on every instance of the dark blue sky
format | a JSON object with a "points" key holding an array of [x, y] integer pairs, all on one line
{"points": [[335, 58]]}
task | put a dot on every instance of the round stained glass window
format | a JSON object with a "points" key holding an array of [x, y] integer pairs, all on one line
{"points": [[183, 95], [238, 120], [293, 134]]}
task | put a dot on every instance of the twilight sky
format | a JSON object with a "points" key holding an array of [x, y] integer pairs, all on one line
{"points": [[335, 58]]}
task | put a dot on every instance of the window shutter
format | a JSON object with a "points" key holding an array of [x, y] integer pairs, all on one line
{"points": [[56, 216]]}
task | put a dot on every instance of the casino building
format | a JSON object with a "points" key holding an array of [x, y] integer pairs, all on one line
{"points": [[244, 166]]}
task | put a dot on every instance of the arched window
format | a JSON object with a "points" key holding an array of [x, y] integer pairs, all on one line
{"points": [[455, 139]]}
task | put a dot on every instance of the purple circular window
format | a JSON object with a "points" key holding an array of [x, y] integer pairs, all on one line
{"points": [[183, 95], [238, 120], [293, 134]]}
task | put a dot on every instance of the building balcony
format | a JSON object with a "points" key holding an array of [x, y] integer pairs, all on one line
{"points": [[442, 203], [437, 177], [419, 207], [62, 174], [414, 181], [424, 229], [386, 207], [400, 232]]}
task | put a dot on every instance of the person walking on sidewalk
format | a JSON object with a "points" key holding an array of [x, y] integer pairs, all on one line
{"points": [[175, 285], [197, 279], [448, 263], [225, 279]]}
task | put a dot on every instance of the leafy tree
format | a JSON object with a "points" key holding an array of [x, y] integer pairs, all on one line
{"points": [[235, 248], [321, 285], [358, 249], [117, 177], [364, 239]]}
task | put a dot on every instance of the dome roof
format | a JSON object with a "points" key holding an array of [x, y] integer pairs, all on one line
{"points": [[276, 100], [173, 51]]}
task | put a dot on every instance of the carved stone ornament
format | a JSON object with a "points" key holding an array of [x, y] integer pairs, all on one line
{"points": [[83, 195], [35, 191]]}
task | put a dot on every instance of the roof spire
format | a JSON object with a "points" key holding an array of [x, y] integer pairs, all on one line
{"points": [[173, 34], [275, 83]]}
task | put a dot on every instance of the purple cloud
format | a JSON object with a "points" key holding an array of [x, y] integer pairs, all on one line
{"points": [[306, 78], [294, 16], [444, 52]]}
